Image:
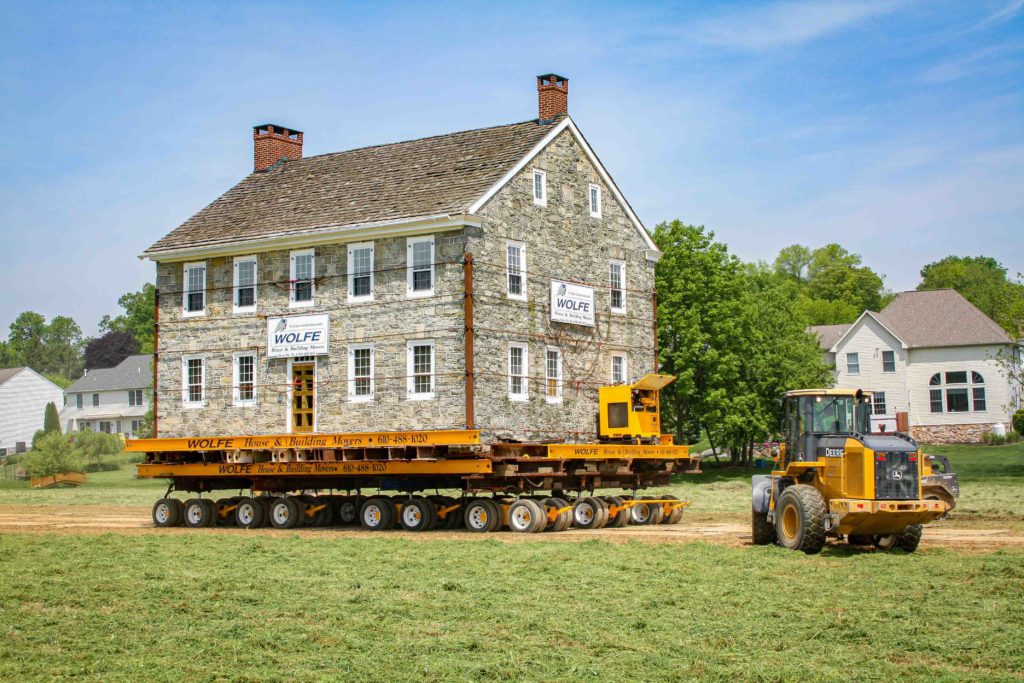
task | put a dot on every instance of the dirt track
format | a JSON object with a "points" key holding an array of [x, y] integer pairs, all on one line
{"points": [[94, 519]]}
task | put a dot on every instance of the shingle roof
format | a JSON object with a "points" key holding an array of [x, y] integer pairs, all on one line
{"points": [[7, 373], [426, 177], [828, 335], [940, 317], [134, 372]]}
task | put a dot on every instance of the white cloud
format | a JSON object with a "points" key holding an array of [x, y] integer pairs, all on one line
{"points": [[978, 61], [1006, 13], [787, 23]]}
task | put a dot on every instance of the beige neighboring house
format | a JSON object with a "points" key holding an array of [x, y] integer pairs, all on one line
{"points": [[24, 394], [930, 354], [112, 400]]}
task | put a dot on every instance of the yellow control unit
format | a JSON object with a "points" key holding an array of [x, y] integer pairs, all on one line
{"points": [[632, 412]]}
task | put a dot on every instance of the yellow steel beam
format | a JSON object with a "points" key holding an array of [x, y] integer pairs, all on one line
{"points": [[316, 469], [595, 451], [446, 437]]}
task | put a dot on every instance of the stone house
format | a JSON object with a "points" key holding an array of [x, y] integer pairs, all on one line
{"points": [[112, 400], [24, 394], [933, 356], [328, 293]]}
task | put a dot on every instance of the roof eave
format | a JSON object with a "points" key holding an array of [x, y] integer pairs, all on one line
{"points": [[835, 347]]}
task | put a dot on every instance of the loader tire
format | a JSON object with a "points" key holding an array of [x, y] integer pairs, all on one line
{"points": [[906, 540], [761, 530], [800, 519]]}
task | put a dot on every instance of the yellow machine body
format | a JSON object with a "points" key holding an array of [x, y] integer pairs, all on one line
{"points": [[632, 412]]}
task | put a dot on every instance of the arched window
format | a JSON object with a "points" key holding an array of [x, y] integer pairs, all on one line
{"points": [[954, 395]]}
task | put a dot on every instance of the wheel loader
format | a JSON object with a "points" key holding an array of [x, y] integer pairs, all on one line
{"points": [[834, 478]]}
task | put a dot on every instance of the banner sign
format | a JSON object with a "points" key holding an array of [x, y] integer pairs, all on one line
{"points": [[573, 304], [299, 335]]}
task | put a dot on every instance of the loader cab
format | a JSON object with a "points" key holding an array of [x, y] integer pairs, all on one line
{"points": [[632, 412], [811, 414]]}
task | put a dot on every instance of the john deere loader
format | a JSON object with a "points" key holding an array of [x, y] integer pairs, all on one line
{"points": [[835, 478]]}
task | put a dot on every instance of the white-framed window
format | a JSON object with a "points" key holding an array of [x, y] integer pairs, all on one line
{"points": [[193, 301], [515, 269], [244, 282], [619, 369], [540, 187], [552, 374], [95, 400], [518, 372], [888, 361], [78, 401], [617, 286], [878, 403], [420, 366], [951, 392], [852, 364], [420, 265], [136, 426], [594, 201], [360, 271], [303, 278], [134, 397], [193, 381], [360, 373], [244, 380]]}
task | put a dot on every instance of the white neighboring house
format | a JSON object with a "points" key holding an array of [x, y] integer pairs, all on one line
{"points": [[24, 394], [112, 400], [930, 354]]}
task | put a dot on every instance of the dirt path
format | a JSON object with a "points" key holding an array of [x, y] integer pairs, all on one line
{"points": [[95, 519]]}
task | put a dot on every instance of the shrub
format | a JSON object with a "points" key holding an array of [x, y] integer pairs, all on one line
{"points": [[55, 454], [51, 419], [1018, 421], [993, 440], [40, 433], [95, 445]]}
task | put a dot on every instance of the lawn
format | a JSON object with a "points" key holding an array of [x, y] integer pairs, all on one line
{"points": [[227, 607]]}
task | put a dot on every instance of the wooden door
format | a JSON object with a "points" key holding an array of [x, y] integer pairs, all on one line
{"points": [[303, 393]]}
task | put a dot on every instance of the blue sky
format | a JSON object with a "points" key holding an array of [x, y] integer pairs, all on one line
{"points": [[895, 128]]}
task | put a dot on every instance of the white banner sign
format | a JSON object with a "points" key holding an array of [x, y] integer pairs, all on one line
{"points": [[298, 335], [573, 304]]}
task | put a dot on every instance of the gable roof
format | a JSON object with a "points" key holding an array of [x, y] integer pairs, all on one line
{"points": [[828, 335], [134, 372], [940, 317], [8, 373]]}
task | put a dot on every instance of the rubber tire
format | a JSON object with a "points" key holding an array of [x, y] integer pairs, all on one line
{"points": [[229, 520], [641, 514], [204, 519], [809, 507], [172, 511], [527, 516], [657, 510], [676, 514], [621, 518], [290, 508], [212, 507], [259, 513], [454, 518], [427, 516], [564, 520], [348, 509], [906, 540], [586, 512], [387, 514], [324, 517], [473, 519], [762, 532]]}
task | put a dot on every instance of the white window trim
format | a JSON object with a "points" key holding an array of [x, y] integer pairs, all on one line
{"points": [[590, 204], [622, 285], [884, 371], [236, 380], [848, 371], [625, 368], [351, 272], [185, 313], [352, 373], [292, 303], [411, 380], [409, 242], [543, 199], [235, 308], [522, 270], [525, 394], [184, 381], [560, 383]]}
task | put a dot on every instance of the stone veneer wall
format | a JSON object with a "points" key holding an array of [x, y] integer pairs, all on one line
{"points": [[961, 433]]}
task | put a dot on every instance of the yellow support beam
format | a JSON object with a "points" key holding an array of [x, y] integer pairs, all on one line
{"points": [[316, 469], [595, 451], [446, 437]]}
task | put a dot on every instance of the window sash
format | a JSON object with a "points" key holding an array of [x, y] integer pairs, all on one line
{"points": [[956, 401], [245, 283], [245, 378], [95, 400], [361, 372], [553, 374], [517, 374], [303, 277], [956, 377], [514, 267], [421, 370], [194, 372], [78, 401], [540, 189], [878, 403], [420, 256], [360, 265], [618, 369], [615, 282], [935, 398], [978, 395], [595, 201], [888, 361], [853, 364], [195, 288]]}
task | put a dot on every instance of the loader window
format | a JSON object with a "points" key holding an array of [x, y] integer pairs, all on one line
{"points": [[618, 415]]}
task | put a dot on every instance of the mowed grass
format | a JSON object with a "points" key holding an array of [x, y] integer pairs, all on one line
{"points": [[207, 607]]}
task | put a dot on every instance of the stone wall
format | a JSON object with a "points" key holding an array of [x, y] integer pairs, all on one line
{"points": [[957, 433]]}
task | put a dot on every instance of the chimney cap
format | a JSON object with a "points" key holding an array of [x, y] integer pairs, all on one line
{"points": [[278, 128], [549, 77]]}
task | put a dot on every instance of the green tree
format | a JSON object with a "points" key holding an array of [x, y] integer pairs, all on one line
{"points": [[794, 261], [53, 348], [53, 454], [94, 445], [985, 283], [51, 420], [138, 317], [26, 341], [63, 347]]}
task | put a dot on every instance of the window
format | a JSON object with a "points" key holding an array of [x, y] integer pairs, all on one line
{"points": [[540, 188], [552, 375], [618, 369], [360, 271], [420, 265], [194, 301], [888, 361], [105, 427], [136, 426], [303, 272], [95, 400], [193, 376], [135, 397], [421, 369], [515, 265], [878, 403], [978, 397], [245, 284], [976, 378], [959, 377], [245, 379], [616, 284], [595, 201], [518, 364], [360, 373], [78, 401], [956, 400], [936, 380], [852, 364], [935, 398]]}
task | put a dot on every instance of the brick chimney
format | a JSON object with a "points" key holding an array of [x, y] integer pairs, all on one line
{"points": [[271, 143], [552, 96]]}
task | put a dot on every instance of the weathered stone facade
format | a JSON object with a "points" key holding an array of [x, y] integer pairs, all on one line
{"points": [[562, 241], [956, 433]]}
